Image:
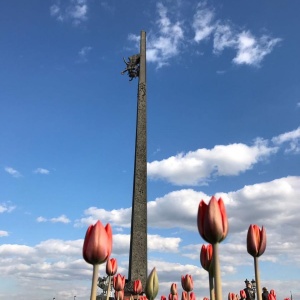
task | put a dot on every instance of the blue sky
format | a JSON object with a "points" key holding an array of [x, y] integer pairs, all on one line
{"points": [[223, 119]]}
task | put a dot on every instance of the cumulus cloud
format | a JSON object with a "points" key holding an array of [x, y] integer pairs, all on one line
{"points": [[3, 233], [292, 138], [41, 171], [195, 167], [60, 219], [74, 11], [4, 207], [13, 172]]}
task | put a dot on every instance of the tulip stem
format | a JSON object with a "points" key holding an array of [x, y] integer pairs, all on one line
{"points": [[211, 285], [108, 288], [217, 271], [257, 279], [94, 282]]}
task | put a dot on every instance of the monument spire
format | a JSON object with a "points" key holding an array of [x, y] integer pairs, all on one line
{"points": [[137, 269]]}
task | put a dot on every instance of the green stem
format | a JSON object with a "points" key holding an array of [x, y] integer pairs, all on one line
{"points": [[94, 282], [257, 279], [211, 285], [217, 272], [108, 288]]}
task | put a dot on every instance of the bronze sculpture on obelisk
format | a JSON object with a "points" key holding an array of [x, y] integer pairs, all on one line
{"points": [[137, 269]]}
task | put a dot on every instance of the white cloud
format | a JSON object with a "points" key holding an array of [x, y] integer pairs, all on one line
{"points": [[41, 171], [252, 50], [60, 219], [203, 23], [74, 11], [291, 137], [83, 54], [6, 208], [41, 219], [3, 233], [13, 172], [224, 37], [195, 167]]}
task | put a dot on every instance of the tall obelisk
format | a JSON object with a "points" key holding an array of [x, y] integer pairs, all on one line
{"points": [[138, 239]]}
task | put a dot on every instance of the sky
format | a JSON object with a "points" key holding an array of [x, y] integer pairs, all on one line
{"points": [[223, 117]]}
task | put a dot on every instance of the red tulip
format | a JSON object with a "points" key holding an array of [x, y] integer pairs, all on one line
{"points": [[212, 221], [119, 282], [111, 267], [97, 244], [192, 296], [205, 298], [256, 240], [163, 297], [243, 294], [271, 297], [232, 296], [184, 295], [172, 297], [137, 287], [187, 283], [272, 292], [173, 289], [206, 256], [119, 295]]}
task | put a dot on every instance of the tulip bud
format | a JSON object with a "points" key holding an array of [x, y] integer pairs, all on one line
{"points": [[192, 296], [111, 267], [205, 298], [97, 244], [243, 294], [272, 292], [271, 297], [184, 295], [206, 256], [187, 283], [231, 296], [119, 295], [137, 287], [152, 285], [163, 297], [119, 282], [173, 289], [256, 240], [212, 221]]}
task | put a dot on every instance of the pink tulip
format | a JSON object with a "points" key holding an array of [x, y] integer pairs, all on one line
{"points": [[184, 295], [256, 240], [212, 221], [172, 297], [97, 244], [206, 256], [192, 296], [119, 282], [173, 289], [119, 295], [187, 283], [272, 292], [243, 294], [111, 267], [137, 287], [231, 296], [271, 297], [205, 298], [163, 297]]}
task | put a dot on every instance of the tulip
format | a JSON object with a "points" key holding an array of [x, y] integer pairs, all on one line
{"points": [[119, 295], [96, 249], [271, 297], [205, 298], [187, 282], [213, 227], [163, 297], [256, 240], [119, 282], [184, 295], [97, 244], [272, 292], [232, 296], [256, 246], [111, 267], [243, 294], [192, 296], [137, 287], [173, 289], [212, 221], [173, 297], [152, 285], [206, 256]]}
